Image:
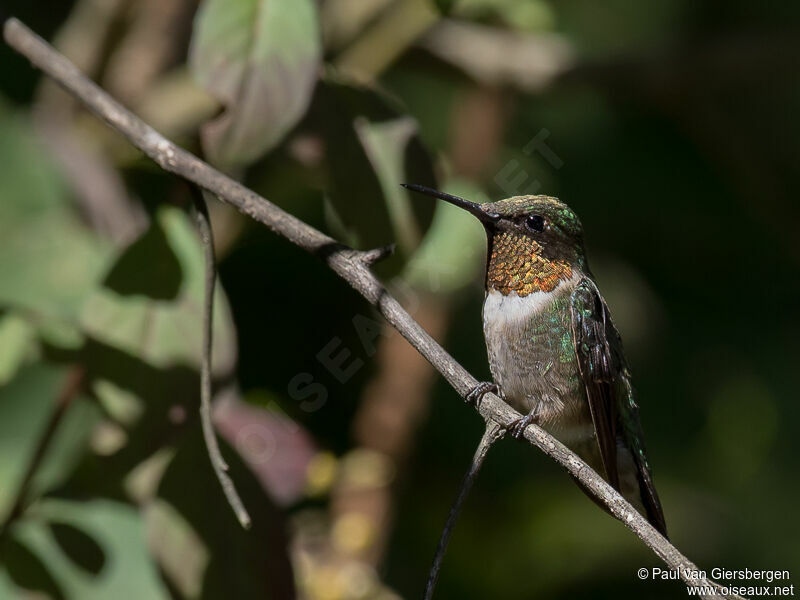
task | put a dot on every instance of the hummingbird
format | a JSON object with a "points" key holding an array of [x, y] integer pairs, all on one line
{"points": [[554, 352]]}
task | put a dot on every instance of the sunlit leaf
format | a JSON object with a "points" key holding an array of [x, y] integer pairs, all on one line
{"points": [[26, 570], [451, 254], [80, 547], [18, 343], [26, 405], [50, 260], [260, 59], [116, 531], [385, 145], [164, 333]]}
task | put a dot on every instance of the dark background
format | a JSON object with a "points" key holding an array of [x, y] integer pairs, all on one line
{"points": [[672, 129]]}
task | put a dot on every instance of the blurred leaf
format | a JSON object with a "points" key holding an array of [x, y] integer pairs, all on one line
{"points": [[451, 254], [531, 15], [116, 530], [164, 333], [26, 570], [26, 405], [60, 332], [371, 148], [68, 445], [151, 407], [181, 554], [119, 403], [148, 267], [18, 341], [241, 564], [385, 145], [275, 448], [50, 260], [259, 58], [79, 547]]}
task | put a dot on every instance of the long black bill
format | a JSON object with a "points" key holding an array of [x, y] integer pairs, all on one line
{"points": [[472, 207]]}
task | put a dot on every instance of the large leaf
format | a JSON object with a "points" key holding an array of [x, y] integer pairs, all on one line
{"points": [[26, 405], [372, 147], [451, 254], [26, 571], [106, 537], [148, 267], [18, 341], [260, 59], [156, 331], [50, 260]]}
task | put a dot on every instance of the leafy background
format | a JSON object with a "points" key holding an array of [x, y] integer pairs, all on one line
{"points": [[670, 126]]}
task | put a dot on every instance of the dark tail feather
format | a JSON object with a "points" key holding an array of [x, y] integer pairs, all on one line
{"points": [[655, 514]]}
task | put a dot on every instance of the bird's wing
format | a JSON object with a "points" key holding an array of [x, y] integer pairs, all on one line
{"points": [[612, 402]]}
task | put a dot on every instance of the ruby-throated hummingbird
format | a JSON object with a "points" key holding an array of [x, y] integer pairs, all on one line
{"points": [[554, 352]]}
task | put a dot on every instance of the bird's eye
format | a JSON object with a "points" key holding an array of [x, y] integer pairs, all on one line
{"points": [[535, 223]]}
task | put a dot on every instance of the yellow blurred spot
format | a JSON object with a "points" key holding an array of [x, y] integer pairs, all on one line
{"points": [[107, 437], [367, 469], [352, 532], [320, 473], [325, 583]]}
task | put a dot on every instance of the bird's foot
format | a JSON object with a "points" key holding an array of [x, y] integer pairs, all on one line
{"points": [[518, 426], [479, 391]]}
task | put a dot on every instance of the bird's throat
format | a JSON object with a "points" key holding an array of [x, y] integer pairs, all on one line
{"points": [[517, 265]]}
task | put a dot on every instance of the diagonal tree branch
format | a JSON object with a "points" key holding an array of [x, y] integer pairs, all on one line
{"points": [[352, 265]]}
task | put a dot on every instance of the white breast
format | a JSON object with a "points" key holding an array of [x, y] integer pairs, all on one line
{"points": [[501, 311], [506, 319]]}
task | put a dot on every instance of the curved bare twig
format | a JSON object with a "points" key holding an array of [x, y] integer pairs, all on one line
{"points": [[490, 435], [206, 420]]}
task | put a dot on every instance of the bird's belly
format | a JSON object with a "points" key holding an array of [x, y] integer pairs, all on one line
{"points": [[531, 351], [531, 354]]}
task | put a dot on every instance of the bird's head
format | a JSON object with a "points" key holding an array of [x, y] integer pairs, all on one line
{"points": [[535, 242]]}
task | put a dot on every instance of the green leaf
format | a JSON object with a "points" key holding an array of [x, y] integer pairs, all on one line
{"points": [[79, 546], [148, 267], [371, 148], [18, 341], [531, 15], [26, 570], [26, 405], [451, 254], [385, 145], [159, 332], [50, 260], [115, 530], [260, 59]]}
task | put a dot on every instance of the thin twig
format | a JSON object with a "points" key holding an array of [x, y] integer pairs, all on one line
{"points": [[210, 276], [349, 265], [69, 391], [492, 433]]}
